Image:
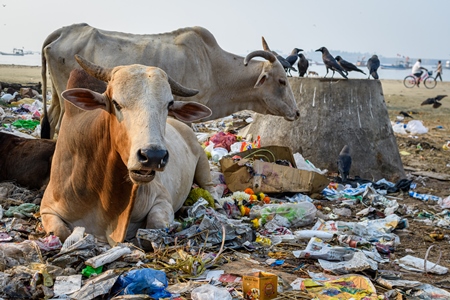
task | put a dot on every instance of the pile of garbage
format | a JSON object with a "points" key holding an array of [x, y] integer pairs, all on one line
{"points": [[21, 110], [341, 243]]}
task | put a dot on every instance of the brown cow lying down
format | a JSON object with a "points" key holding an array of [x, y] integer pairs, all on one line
{"points": [[25, 161], [111, 171]]}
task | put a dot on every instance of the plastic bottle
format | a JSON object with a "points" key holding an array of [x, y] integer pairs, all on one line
{"points": [[424, 197], [307, 234], [218, 153]]}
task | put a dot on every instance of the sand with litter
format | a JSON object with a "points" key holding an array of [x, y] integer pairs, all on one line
{"points": [[425, 154]]}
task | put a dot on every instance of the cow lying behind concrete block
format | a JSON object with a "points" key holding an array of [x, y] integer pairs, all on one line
{"points": [[24, 161], [111, 171]]}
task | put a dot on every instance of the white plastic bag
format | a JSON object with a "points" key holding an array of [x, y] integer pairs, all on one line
{"points": [[416, 127], [210, 292], [304, 164], [399, 128]]}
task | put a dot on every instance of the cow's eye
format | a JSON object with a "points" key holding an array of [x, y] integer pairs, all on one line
{"points": [[282, 81], [170, 104], [118, 107]]}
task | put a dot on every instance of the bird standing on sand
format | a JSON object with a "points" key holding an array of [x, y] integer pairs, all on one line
{"points": [[434, 101], [348, 66], [405, 114], [8, 98], [331, 63], [344, 163], [373, 64], [302, 65], [292, 59]]}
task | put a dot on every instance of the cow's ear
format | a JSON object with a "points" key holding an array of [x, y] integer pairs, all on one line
{"points": [[261, 79], [189, 111], [86, 99]]}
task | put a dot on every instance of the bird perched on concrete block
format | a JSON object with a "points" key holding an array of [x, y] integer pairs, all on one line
{"points": [[292, 59], [302, 65], [331, 63], [344, 163], [373, 64], [348, 66], [286, 65], [434, 101]]}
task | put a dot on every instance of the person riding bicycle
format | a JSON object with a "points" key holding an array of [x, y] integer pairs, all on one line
{"points": [[417, 71]]}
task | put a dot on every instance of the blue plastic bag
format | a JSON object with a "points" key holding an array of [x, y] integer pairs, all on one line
{"points": [[142, 281]]}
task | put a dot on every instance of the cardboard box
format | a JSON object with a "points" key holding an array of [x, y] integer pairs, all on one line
{"points": [[260, 286], [267, 176]]}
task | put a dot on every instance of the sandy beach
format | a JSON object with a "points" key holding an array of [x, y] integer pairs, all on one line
{"points": [[423, 153]]}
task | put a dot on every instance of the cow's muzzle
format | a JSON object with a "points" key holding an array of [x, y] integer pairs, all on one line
{"points": [[150, 161]]}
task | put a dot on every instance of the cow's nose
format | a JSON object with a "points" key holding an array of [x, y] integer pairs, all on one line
{"points": [[155, 159]]}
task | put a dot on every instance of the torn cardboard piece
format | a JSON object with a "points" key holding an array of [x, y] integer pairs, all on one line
{"points": [[257, 170]]}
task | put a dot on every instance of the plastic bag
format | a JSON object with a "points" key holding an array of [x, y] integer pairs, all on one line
{"points": [[304, 164], [444, 203], [399, 128], [288, 214], [27, 124], [416, 127], [210, 292], [142, 281], [417, 264], [236, 147]]}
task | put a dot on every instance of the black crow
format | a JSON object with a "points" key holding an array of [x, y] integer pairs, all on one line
{"points": [[292, 59], [344, 163], [373, 64], [302, 65], [331, 63], [348, 66], [405, 114], [434, 101], [286, 65]]}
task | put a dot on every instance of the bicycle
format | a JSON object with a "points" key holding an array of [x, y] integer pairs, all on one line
{"points": [[410, 81]]}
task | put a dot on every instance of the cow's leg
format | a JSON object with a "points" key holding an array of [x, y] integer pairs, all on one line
{"points": [[161, 213], [202, 176], [53, 224]]}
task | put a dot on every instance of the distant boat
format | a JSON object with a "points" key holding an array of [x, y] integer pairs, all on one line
{"points": [[362, 62], [447, 64], [399, 65], [16, 52], [313, 62]]}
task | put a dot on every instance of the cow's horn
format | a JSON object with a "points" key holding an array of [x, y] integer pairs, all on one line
{"points": [[264, 54], [265, 46], [92, 69], [179, 90]]}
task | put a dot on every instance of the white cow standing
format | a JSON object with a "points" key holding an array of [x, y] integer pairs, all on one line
{"points": [[118, 165], [227, 82]]}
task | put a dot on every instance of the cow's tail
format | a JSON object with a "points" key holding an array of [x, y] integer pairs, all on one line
{"points": [[45, 122]]}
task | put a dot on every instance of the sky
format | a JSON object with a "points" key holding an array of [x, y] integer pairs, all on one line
{"points": [[414, 28]]}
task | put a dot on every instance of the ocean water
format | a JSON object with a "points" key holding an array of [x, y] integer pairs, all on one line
{"points": [[26, 60], [35, 60]]}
